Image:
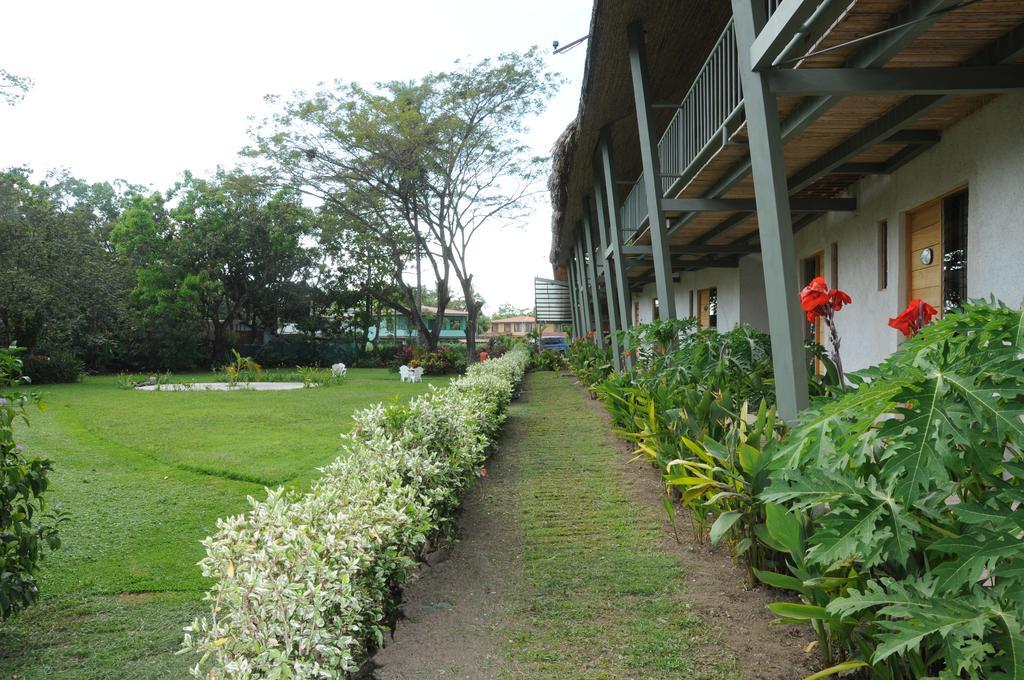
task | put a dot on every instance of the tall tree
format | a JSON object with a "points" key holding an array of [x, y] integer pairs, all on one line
{"points": [[486, 172], [421, 166], [63, 287], [234, 247]]}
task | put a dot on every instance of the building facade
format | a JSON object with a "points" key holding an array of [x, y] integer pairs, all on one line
{"points": [[396, 328], [878, 144]]}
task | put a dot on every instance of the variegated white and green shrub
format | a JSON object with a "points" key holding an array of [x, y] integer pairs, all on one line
{"points": [[304, 583]]}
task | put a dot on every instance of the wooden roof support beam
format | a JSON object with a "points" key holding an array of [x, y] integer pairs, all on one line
{"points": [[581, 282], [573, 309], [608, 194], [1008, 48], [610, 291]]}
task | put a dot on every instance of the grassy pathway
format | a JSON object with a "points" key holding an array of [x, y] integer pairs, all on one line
{"points": [[560, 573], [601, 599]]}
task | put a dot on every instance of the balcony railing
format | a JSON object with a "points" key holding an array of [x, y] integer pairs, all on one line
{"points": [[711, 110]]}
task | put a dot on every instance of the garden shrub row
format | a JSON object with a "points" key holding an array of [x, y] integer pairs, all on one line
{"points": [[892, 509], [305, 584]]}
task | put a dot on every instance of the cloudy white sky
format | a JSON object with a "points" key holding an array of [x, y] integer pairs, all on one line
{"points": [[144, 90]]}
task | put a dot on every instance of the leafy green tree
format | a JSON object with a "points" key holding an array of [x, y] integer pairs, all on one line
{"points": [[233, 247], [64, 287], [245, 234], [13, 87], [507, 309], [167, 312], [419, 167]]}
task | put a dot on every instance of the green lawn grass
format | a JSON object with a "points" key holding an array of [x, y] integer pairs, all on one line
{"points": [[600, 598], [144, 477]]}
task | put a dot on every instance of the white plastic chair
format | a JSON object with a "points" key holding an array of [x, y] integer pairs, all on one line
{"points": [[416, 374], [339, 370], [405, 373]]}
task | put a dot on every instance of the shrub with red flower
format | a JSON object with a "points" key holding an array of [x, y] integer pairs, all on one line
{"points": [[915, 317], [818, 301]]}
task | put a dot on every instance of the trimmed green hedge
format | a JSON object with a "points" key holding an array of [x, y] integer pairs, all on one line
{"points": [[305, 583]]}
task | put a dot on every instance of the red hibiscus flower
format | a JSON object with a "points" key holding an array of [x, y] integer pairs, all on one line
{"points": [[814, 295], [816, 299], [912, 319], [838, 298]]}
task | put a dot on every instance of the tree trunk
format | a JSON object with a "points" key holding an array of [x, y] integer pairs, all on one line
{"points": [[472, 313]]}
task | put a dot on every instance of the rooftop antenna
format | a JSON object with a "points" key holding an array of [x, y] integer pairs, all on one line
{"points": [[555, 49]]}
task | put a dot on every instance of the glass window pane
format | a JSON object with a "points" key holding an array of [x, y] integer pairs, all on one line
{"points": [[954, 252]]}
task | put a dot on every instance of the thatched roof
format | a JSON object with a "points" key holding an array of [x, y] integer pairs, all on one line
{"points": [[680, 34]]}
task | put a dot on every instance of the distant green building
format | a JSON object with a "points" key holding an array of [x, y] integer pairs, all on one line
{"points": [[396, 328]]}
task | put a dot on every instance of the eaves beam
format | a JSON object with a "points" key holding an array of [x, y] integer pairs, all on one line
{"points": [[843, 82], [686, 205], [645, 252]]}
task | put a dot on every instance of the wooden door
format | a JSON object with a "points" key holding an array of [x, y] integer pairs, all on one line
{"points": [[704, 306], [814, 266], [937, 247], [924, 233]]}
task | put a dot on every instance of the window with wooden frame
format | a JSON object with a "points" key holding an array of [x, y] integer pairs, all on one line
{"points": [[883, 254], [707, 307], [937, 250], [834, 263]]}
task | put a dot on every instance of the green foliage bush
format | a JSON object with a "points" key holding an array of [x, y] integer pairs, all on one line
{"points": [[283, 352], [592, 364], [60, 366], [26, 530], [305, 584], [892, 509], [446, 360], [906, 493], [549, 360]]}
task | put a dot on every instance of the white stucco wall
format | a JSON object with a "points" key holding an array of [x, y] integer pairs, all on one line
{"points": [[726, 280], [985, 153], [753, 306]]}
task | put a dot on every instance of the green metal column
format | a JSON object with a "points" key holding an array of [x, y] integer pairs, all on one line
{"points": [[775, 225], [652, 173], [572, 300], [608, 194], [578, 325], [595, 301], [581, 283], [606, 268]]}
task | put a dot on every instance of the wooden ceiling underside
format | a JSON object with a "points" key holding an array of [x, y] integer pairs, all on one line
{"points": [[950, 41]]}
